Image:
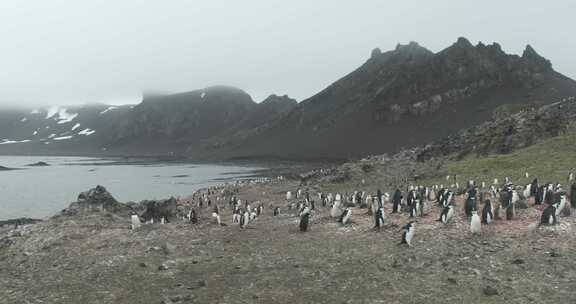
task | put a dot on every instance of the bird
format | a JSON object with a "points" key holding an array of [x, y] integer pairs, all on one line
{"points": [[408, 234], [487, 213], [548, 216], [277, 211], [245, 219], [447, 214], [475, 225], [379, 218], [346, 215], [304, 221], [135, 221]]}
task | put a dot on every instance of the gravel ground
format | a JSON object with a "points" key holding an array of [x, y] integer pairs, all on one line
{"points": [[96, 258]]}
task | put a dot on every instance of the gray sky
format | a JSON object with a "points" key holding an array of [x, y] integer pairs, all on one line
{"points": [[78, 51]]}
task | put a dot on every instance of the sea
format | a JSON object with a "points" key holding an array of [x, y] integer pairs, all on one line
{"points": [[42, 191]]}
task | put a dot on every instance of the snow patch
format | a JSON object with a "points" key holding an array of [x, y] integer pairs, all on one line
{"points": [[7, 141], [76, 126], [203, 95], [108, 110], [24, 119], [60, 114], [86, 132], [35, 132], [35, 111], [63, 137], [51, 135]]}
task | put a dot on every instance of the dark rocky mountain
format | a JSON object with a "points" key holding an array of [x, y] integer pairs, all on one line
{"points": [[402, 98], [406, 97]]}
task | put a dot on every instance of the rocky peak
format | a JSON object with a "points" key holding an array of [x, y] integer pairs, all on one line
{"points": [[531, 56], [375, 53]]}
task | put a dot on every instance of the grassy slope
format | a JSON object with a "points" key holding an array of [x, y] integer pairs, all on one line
{"points": [[550, 160]]}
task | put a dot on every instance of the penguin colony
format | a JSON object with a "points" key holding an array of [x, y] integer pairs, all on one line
{"points": [[482, 205]]}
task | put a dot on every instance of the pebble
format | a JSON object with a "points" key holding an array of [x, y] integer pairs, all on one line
{"points": [[490, 291]]}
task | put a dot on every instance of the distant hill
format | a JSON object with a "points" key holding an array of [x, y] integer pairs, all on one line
{"points": [[397, 99]]}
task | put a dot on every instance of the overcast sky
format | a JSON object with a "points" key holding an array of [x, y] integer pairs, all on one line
{"points": [[78, 51]]}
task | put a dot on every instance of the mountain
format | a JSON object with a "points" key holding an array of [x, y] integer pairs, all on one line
{"points": [[177, 124], [397, 99], [406, 97]]}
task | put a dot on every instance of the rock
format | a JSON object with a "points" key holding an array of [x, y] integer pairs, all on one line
{"points": [[38, 164], [163, 267], [142, 264], [518, 261], [95, 199], [490, 291], [452, 281], [19, 221], [158, 209]]}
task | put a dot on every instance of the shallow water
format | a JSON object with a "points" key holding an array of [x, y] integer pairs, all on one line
{"points": [[43, 191]]}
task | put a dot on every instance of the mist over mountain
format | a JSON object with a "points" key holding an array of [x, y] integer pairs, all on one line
{"points": [[399, 98]]}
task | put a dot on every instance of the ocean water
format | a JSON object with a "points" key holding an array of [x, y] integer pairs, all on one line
{"points": [[39, 192]]}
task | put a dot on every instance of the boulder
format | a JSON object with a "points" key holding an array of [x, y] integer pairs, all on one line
{"points": [[95, 200], [158, 209]]}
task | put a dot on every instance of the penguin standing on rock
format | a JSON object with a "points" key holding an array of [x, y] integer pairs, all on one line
{"points": [[408, 234], [277, 211], [487, 213]]}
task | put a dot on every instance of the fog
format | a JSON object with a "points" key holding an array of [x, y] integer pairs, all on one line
{"points": [[71, 52]]}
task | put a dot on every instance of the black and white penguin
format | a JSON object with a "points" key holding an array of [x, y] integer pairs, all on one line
{"points": [[277, 211], [447, 214], [335, 211], [346, 215], [193, 216], [470, 205], [397, 201], [573, 195], [487, 212], [245, 219], [549, 216], [236, 214], [260, 210], [379, 218], [560, 205], [304, 222], [408, 234], [475, 225]]}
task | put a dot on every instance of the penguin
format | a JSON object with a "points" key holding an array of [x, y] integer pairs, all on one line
{"points": [[277, 211], [236, 215], [573, 195], [346, 215], [397, 201], [304, 222], [487, 213], [312, 205], [335, 211], [253, 214], [245, 219], [288, 195], [510, 212], [549, 216], [475, 225], [135, 221], [527, 191], [408, 234], [470, 206], [447, 214], [379, 218], [193, 216], [260, 210], [560, 205], [416, 208], [216, 216]]}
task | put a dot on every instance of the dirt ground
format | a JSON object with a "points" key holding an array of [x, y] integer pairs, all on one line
{"points": [[96, 258]]}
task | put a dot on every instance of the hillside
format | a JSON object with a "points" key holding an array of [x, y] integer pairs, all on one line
{"points": [[398, 99], [408, 97]]}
